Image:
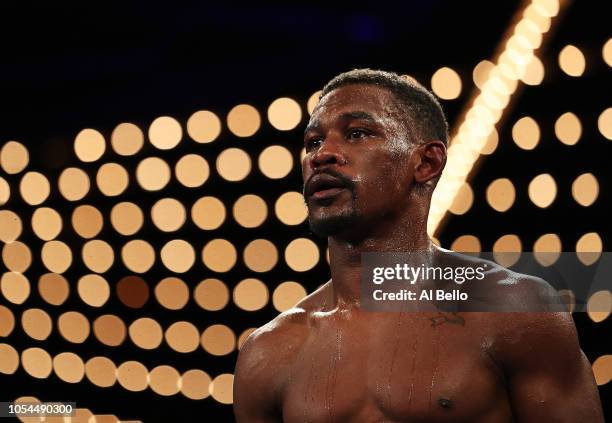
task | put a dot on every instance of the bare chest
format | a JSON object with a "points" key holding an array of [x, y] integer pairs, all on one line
{"points": [[400, 371]]}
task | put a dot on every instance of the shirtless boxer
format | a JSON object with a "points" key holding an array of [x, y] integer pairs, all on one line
{"points": [[376, 145]]}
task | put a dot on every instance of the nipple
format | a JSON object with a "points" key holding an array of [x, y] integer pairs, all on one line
{"points": [[445, 403]]}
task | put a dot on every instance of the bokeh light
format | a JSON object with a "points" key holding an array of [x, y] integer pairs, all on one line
{"points": [[127, 139], [507, 250], [5, 191], [178, 255], [87, 221], [98, 255], [46, 223], [53, 288], [568, 128], [56, 256], [572, 61], [243, 120], [589, 248], [89, 145], [275, 162], [14, 157], [93, 290], [9, 359], [16, 256], [233, 164], [69, 367], [7, 321], [501, 194], [73, 326], [211, 294], [287, 294], [250, 211], [172, 293], [168, 214], [34, 188], [481, 72], [602, 369], [446, 83], [165, 132], [36, 362], [221, 388], [73, 184], [218, 340], [251, 294], [466, 244], [260, 255], [192, 170], [312, 102], [133, 376], [208, 213], [15, 287], [290, 208], [138, 255], [101, 371], [302, 254], [36, 323], [196, 384], [133, 291], [534, 72], [284, 114], [585, 189], [604, 123], [165, 380], [10, 226], [219, 255], [112, 179], [110, 330], [182, 337], [204, 126], [126, 218], [599, 306], [146, 333], [153, 173], [463, 200], [526, 133], [547, 249], [542, 190]]}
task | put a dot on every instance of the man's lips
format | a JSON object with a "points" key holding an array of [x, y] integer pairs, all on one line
{"points": [[323, 185]]}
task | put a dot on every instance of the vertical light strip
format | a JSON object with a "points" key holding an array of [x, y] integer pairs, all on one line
{"points": [[488, 104]]}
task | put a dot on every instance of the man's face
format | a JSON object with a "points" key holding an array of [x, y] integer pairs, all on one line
{"points": [[356, 171]]}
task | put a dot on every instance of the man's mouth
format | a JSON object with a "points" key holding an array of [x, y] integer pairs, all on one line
{"points": [[324, 186]]}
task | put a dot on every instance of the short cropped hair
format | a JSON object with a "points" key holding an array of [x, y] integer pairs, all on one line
{"points": [[425, 119]]}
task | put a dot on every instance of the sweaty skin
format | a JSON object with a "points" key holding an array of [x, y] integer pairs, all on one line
{"points": [[327, 360]]}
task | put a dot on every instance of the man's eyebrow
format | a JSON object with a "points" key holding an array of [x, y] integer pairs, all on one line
{"points": [[356, 115]]}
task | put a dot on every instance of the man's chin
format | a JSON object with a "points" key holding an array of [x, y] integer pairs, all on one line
{"points": [[332, 225]]}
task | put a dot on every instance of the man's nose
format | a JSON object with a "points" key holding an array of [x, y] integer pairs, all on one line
{"points": [[328, 154]]}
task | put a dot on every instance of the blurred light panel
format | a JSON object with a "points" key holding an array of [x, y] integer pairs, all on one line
{"points": [[463, 201], [5, 191], [195, 384], [251, 294], [112, 179], [178, 255], [101, 371], [138, 255], [221, 388], [56, 256], [192, 170], [481, 72], [126, 218], [302, 254], [182, 337], [568, 128], [16, 256], [585, 189], [204, 126], [604, 123], [127, 139], [312, 102], [287, 294], [36, 323], [501, 194], [165, 380], [93, 290], [284, 114], [133, 376], [87, 221], [109, 330], [233, 164], [89, 145], [219, 255], [34, 188], [14, 157], [446, 83], [218, 340], [290, 208], [275, 162], [15, 287], [211, 294], [165, 132], [133, 291], [168, 214], [73, 326], [73, 184], [153, 173], [36, 362], [243, 120], [208, 213], [260, 255], [466, 244], [572, 61], [146, 333], [10, 226], [526, 133], [250, 211], [542, 190], [172, 293], [53, 288]]}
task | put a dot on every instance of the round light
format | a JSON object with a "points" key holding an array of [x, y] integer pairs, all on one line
{"points": [[7, 321], [165, 132], [14, 157], [112, 179], [466, 244], [5, 191], [133, 376], [221, 388], [585, 189], [542, 190], [534, 72], [599, 306], [153, 173], [243, 120], [53, 288], [250, 211], [36, 362], [284, 114], [168, 214], [126, 218], [87, 221], [481, 72], [204, 126], [568, 128], [260, 255], [526, 133], [302, 254], [9, 359], [604, 123], [133, 291], [501, 194], [165, 380], [138, 255], [233, 164], [10, 226], [34, 188], [110, 330], [196, 384], [146, 333], [572, 61], [69, 367], [446, 83], [192, 170], [172, 293], [16, 256], [73, 326], [98, 255], [290, 208], [101, 372], [178, 255], [15, 287], [89, 145], [56, 256], [589, 248], [507, 250], [313, 100], [36, 323], [463, 200], [219, 255], [287, 294], [275, 162], [182, 337], [218, 340], [211, 294], [93, 290], [547, 249], [127, 139], [208, 213], [46, 223], [251, 294]]}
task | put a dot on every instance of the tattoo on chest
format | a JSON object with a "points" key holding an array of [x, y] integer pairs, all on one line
{"points": [[452, 318]]}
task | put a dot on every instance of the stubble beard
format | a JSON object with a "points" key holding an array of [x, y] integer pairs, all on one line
{"points": [[334, 224]]}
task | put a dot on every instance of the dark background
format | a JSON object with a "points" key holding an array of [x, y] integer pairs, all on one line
{"points": [[67, 66]]}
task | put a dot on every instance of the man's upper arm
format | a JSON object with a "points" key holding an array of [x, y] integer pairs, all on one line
{"points": [[254, 387], [549, 378]]}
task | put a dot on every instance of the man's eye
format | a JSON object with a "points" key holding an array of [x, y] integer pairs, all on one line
{"points": [[357, 133], [312, 144]]}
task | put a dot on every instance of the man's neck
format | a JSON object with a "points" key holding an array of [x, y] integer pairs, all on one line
{"points": [[404, 235]]}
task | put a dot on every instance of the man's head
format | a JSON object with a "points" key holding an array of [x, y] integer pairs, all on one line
{"points": [[375, 146]]}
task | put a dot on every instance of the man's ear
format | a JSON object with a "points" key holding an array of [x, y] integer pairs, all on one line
{"points": [[431, 158]]}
